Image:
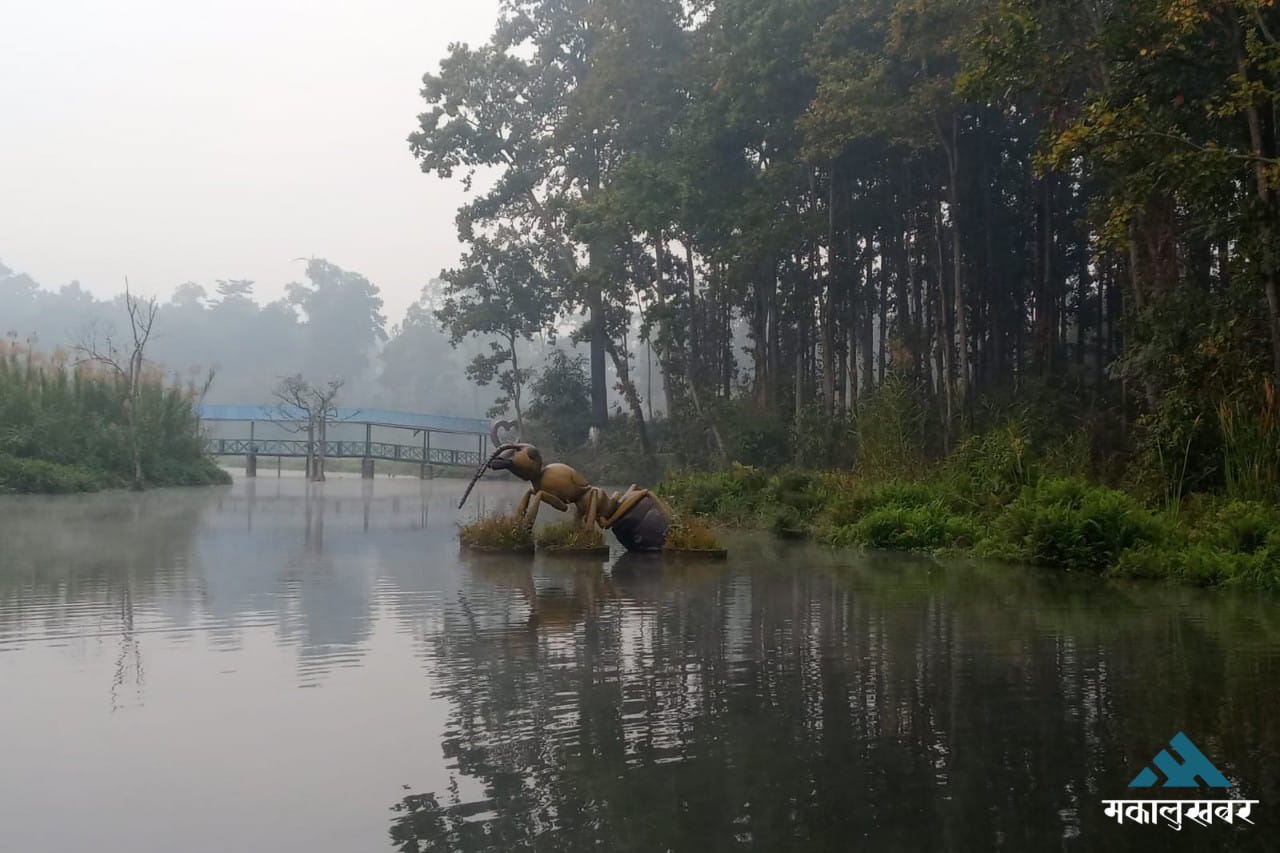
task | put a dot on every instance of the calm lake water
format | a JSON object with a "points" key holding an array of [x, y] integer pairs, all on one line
{"points": [[277, 667]]}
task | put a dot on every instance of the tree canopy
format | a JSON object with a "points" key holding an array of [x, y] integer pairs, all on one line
{"points": [[967, 197]]}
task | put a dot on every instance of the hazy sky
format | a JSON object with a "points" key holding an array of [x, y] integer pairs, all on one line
{"points": [[173, 140]]}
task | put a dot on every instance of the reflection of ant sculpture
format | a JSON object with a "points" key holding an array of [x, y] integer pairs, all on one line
{"points": [[639, 518]]}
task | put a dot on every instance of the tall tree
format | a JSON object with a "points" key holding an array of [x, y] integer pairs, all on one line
{"points": [[343, 319], [498, 292]]}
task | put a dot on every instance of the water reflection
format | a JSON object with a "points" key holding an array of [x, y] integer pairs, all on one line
{"points": [[220, 560], [798, 704], [794, 699]]}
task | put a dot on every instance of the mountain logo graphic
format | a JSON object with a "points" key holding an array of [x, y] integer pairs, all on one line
{"points": [[1181, 774]]}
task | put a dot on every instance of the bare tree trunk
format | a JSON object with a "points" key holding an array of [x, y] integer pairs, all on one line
{"points": [[957, 259], [324, 433], [868, 315], [826, 306], [884, 309], [127, 368], [945, 340], [311, 448], [1260, 116], [694, 332], [1140, 304], [595, 306], [666, 336], [628, 389], [715, 432], [516, 384]]}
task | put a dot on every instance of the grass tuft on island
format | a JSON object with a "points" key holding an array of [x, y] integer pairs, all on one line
{"points": [[497, 533], [565, 537], [691, 535], [1061, 522]]}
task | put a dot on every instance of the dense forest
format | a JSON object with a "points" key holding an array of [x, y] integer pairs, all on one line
{"points": [[933, 215]]}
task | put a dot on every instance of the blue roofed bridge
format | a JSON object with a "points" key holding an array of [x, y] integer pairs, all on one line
{"points": [[429, 441]]}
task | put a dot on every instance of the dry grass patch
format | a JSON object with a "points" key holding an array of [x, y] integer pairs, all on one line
{"points": [[691, 534], [567, 536], [497, 533]]}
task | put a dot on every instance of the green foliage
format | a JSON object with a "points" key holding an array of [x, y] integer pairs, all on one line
{"points": [[1243, 527], [616, 460], [500, 292], [819, 440], [1059, 522], [203, 471], [991, 469], [1201, 565], [36, 476], [907, 527], [1067, 523], [890, 430], [737, 494], [560, 406], [789, 522], [830, 170], [850, 502], [1251, 446], [64, 429], [759, 439]]}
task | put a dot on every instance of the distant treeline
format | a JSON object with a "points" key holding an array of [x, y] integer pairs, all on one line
{"points": [[329, 326]]}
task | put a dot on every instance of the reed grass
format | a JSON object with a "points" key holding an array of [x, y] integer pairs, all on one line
{"points": [[64, 427]]}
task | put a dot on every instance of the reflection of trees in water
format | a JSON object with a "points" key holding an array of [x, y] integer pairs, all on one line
{"points": [[103, 556], [275, 554], [813, 709]]}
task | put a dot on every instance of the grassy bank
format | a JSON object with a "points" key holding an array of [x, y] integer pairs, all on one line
{"points": [[66, 428], [993, 498]]}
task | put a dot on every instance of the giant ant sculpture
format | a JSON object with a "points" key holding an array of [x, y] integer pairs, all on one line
{"points": [[638, 517]]}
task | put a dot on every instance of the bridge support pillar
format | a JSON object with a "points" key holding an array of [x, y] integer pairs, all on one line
{"points": [[251, 465], [366, 469], [426, 473]]}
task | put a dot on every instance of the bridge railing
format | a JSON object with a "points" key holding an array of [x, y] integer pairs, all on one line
{"points": [[382, 450]]}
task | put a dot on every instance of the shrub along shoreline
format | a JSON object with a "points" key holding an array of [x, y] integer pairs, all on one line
{"points": [[65, 428], [1001, 508]]}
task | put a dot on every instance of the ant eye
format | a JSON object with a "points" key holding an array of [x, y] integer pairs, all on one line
{"points": [[534, 454]]}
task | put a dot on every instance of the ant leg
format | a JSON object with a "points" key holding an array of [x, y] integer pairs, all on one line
{"points": [[532, 513], [524, 503], [539, 498]]}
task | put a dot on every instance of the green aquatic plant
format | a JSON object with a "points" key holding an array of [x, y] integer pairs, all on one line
{"points": [[1069, 524]]}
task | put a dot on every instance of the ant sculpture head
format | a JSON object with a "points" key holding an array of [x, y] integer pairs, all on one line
{"points": [[523, 460]]}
